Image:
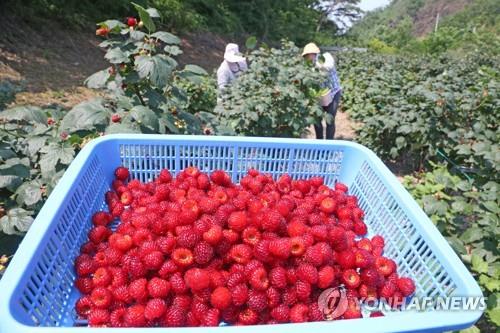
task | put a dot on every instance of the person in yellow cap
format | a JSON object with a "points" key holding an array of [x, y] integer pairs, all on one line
{"points": [[330, 100]]}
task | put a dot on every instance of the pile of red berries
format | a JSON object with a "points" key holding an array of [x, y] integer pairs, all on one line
{"points": [[199, 250]]}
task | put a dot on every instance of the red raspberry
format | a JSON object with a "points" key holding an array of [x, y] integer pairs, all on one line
{"points": [[303, 290], [135, 316], [177, 284], [328, 205], [203, 181], [363, 258], [351, 279], [296, 228], [120, 293], [182, 257], [230, 235], [353, 309], [220, 177], [84, 285], [122, 173], [326, 277], [142, 235], [261, 251], [199, 308], [371, 277], [213, 235], [257, 300], [174, 317], [182, 302], [239, 294], [153, 260], [258, 279], [347, 259], [280, 248], [299, 313], [99, 234], [197, 279], [314, 256], [134, 266], [387, 290], [406, 286], [203, 253], [102, 218], [341, 187], [385, 266], [83, 306], [241, 253], [187, 239], [117, 317], [101, 297], [378, 241], [158, 288], [365, 244], [221, 298], [155, 308], [307, 273], [376, 314], [248, 317], [315, 313], [211, 318], [277, 277], [271, 220], [165, 176], [251, 266], [121, 242], [273, 297], [367, 292], [281, 313], [102, 277], [289, 297], [251, 235], [138, 289], [338, 239], [298, 246], [98, 317], [360, 228]]}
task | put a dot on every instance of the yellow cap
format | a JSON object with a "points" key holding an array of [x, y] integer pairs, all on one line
{"points": [[311, 48]]}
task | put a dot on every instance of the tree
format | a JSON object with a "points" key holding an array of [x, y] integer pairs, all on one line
{"points": [[337, 11]]}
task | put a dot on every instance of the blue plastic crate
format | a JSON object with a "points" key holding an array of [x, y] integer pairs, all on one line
{"points": [[37, 292]]}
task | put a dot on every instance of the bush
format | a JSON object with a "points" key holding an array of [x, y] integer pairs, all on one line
{"points": [[277, 96]]}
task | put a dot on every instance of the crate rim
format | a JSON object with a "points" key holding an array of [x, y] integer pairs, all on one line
{"points": [[412, 320]]}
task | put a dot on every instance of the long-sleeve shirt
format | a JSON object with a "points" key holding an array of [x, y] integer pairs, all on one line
{"points": [[227, 72], [333, 82]]}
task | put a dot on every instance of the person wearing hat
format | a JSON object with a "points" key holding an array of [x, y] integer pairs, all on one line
{"points": [[233, 65], [330, 100]]}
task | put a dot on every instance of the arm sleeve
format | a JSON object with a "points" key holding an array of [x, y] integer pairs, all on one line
{"points": [[222, 79], [329, 63]]}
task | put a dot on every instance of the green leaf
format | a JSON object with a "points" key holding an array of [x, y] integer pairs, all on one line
{"points": [[26, 113], [116, 56], [166, 37], [29, 193], [16, 221], [494, 315], [195, 69], [86, 116], [54, 153], [471, 235], [112, 25], [145, 117], [153, 12], [10, 182], [36, 143], [491, 206], [173, 50], [98, 80], [478, 264], [145, 17], [251, 43], [472, 329], [15, 167], [157, 68], [117, 128]]}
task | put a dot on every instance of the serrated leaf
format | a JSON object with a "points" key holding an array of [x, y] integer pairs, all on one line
{"points": [[166, 37], [112, 24], [153, 12], [137, 35], [16, 221], [86, 116], [145, 117], [195, 69], [145, 17], [251, 43], [36, 143], [26, 113], [10, 182], [172, 49], [494, 315], [157, 68], [478, 264], [15, 167], [471, 235], [116, 56], [53, 154], [98, 80], [117, 128], [29, 193]]}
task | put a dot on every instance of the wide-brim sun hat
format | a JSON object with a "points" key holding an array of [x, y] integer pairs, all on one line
{"points": [[232, 53], [311, 48]]}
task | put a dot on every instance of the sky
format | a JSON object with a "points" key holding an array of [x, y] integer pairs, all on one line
{"points": [[372, 4]]}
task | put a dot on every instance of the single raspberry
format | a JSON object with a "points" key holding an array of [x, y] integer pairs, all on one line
{"points": [[315, 314], [83, 306], [326, 277], [239, 294], [98, 317], [213, 235], [177, 284], [158, 288], [271, 220], [347, 259], [121, 294], [280, 248], [277, 277], [235, 278], [135, 316], [182, 257], [241, 253], [100, 259], [376, 314], [101, 297], [387, 290], [365, 244], [353, 309], [231, 236], [121, 242], [281, 313], [155, 308], [314, 256], [165, 176], [99, 234], [307, 273], [142, 235], [203, 181], [221, 298], [221, 178], [187, 239], [360, 228], [199, 308], [211, 318], [298, 246], [122, 173], [338, 238], [102, 277], [117, 317], [351, 279], [182, 302], [257, 300], [371, 277], [138, 289], [273, 297], [258, 279], [289, 296], [251, 266], [341, 187], [299, 313], [248, 317], [261, 251], [84, 285], [251, 235], [197, 279], [363, 258], [406, 286], [113, 256], [303, 290], [135, 267], [368, 293], [101, 218], [385, 266], [328, 205], [378, 241], [203, 253]]}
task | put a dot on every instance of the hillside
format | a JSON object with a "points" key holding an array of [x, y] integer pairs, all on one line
{"points": [[403, 20]]}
